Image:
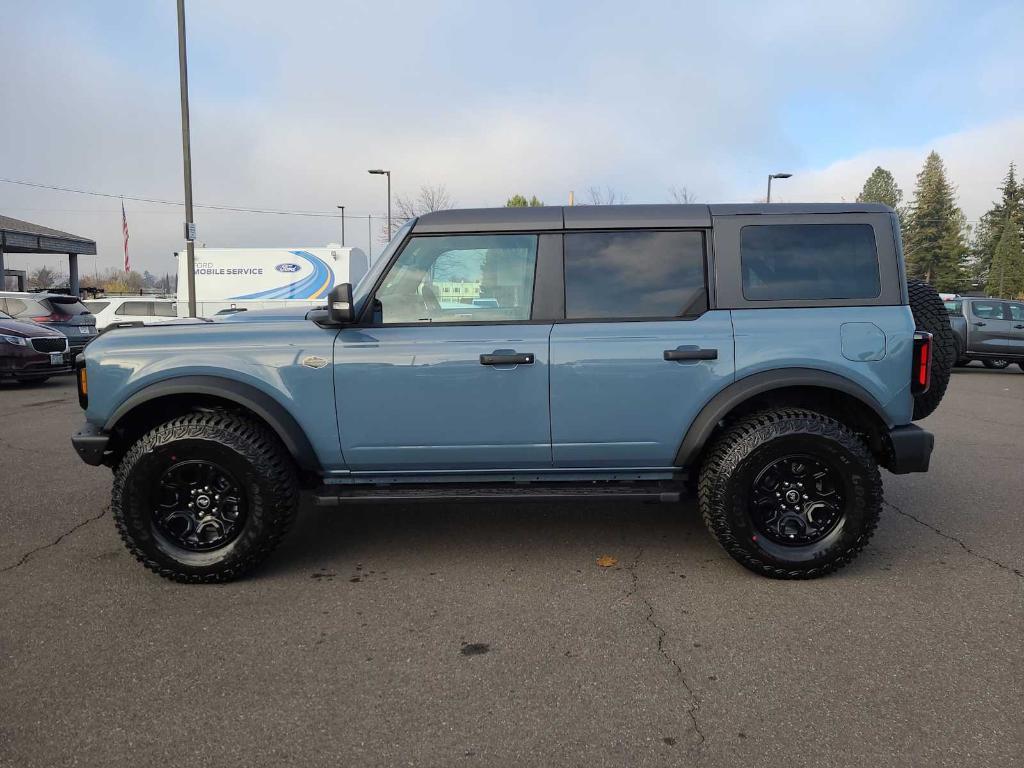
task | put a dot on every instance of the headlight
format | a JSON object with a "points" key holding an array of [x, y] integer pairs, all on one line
{"points": [[15, 340]]}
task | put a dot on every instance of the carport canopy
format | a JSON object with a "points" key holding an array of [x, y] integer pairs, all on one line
{"points": [[17, 236]]}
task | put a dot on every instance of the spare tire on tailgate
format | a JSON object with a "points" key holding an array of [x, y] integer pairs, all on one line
{"points": [[930, 315]]}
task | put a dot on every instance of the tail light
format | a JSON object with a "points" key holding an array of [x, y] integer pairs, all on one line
{"points": [[54, 317], [921, 374]]}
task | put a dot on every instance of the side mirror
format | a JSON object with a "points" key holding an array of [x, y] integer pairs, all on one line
{"points": [[339, 304]]}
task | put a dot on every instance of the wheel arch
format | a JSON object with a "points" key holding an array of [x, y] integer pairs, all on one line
{"points": [[818, 390], [171, 397]]}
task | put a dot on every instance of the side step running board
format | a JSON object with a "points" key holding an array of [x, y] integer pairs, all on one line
{"points": [[334, 496]]}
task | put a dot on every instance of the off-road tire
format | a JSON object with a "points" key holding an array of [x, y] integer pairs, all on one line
{"points": [[727, 476], [255, 456], [930, 315], [996, 365]]}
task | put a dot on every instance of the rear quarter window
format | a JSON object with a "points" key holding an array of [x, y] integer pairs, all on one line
{"points": [[954, 307], [782, 262]]}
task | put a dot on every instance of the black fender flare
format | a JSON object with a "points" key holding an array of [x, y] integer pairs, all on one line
{"points": [[718, 407], [263, 405]]}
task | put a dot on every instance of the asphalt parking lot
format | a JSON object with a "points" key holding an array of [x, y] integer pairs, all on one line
{"points": [[487, 635]]}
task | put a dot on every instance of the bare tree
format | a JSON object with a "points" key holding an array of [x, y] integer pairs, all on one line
{"points": [[429, 198], [44, 277], [681, 195], [606, 196]]}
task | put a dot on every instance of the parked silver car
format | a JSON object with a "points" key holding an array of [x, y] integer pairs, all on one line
{"points": [[990, 330]]}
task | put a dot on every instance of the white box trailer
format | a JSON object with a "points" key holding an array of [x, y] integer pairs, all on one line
{"points": [[264, 278]]}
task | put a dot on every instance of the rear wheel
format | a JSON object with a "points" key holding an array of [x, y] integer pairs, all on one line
{"points": [[790, 494], [204, 497], [997, 365], [930, 315]]}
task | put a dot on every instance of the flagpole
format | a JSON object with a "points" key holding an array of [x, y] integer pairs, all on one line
{"points": [[186, 150]]}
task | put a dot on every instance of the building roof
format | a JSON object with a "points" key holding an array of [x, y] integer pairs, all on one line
{"points": [[616, 216], [17, 236]]}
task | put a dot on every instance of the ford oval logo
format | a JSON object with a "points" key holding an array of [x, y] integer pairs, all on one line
{"points": [[288, 267]]}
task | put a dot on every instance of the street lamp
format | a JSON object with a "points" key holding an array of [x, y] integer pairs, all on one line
{"points": [[342, 208], [775, 176], [382, 172]]}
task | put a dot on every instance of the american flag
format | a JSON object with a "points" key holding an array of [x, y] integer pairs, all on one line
{"points": [[124, 231]]}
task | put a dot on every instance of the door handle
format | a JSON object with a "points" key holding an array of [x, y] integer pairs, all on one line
{"points": [[691, 353], [1019, 326], [979, 324], [507, 358]]}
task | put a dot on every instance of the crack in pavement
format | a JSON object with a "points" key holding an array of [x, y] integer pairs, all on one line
{"points": [[25, 558], [945, 535], [693, 706]]}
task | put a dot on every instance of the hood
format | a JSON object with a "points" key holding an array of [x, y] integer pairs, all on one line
{"points": [[26, 330], [276, 315]]}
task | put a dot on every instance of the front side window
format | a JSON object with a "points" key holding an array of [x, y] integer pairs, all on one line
{"points": [[785, 262], [460, 278], [165, 309], [987, 310], [634, 275]]}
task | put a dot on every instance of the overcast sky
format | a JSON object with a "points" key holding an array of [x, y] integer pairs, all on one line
{"points": [[293, 101]]}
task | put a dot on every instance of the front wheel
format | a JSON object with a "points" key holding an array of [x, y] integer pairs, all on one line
{"points": [[204, 497], [790, 494], [996, 365]]}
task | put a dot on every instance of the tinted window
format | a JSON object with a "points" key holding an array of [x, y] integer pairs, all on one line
{"points": [[1016, 312], [135, 308], [67, 305], [97, 306], [460, 278], [809, 261], [634, 274], [987, 310]]}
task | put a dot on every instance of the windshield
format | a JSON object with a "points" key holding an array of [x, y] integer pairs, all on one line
{"points": [[360, 292]]}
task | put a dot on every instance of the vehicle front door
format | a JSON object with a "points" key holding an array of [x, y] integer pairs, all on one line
{"points": [[451, 370], [638, 353], [988, 333]]}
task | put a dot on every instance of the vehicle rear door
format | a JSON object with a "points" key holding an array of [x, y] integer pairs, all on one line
{"points": [[988, 332], [451, 371], [638, 353], [1015, 310]]}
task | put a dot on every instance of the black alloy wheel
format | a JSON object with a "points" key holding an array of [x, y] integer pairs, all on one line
{"points": [[797, 500], [198, 505]]}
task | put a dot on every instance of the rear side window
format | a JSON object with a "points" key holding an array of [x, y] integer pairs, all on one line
{"points": [[809, 261], [634, 275], [135, 308], [97, 306], [26, 308], [987, 310], [1016, 312]]}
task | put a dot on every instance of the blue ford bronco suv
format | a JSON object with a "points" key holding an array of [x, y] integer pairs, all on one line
{"points": [[768, 357]]}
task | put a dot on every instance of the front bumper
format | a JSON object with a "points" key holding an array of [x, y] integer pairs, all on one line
{"points": [[91, 443], [911, 449]]}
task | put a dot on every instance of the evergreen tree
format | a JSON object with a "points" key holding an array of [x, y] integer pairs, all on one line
{"points": [[993, 222], [934, 235], [881, 187], [1006, 278], [519, 201]]}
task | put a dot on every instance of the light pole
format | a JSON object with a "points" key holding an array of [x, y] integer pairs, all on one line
{"points": [[342, 207], [775, 176], [186, 151], [382, 172]]}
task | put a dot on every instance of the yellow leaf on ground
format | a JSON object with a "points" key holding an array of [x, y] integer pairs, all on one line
{"points": [[607, 561]]}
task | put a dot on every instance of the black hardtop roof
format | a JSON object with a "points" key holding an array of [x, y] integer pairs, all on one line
{"points": [[616, 216]]}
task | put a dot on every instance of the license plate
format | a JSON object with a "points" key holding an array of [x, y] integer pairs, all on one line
{"points": [[56, 358]]}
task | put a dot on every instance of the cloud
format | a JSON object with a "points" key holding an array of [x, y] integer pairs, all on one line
{"points": [[976, 160]]}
